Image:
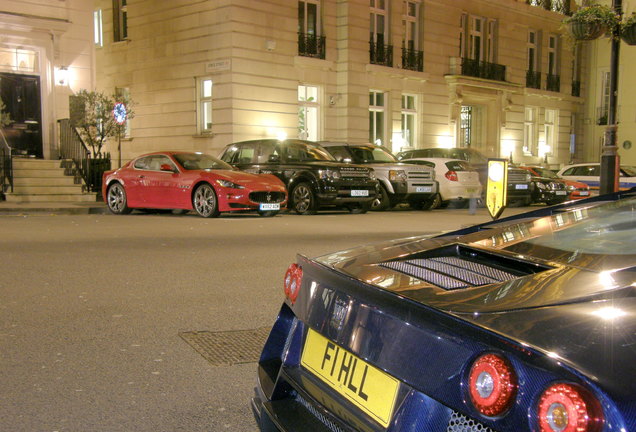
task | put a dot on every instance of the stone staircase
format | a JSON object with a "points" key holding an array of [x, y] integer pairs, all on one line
{"points": [[37, 180]]}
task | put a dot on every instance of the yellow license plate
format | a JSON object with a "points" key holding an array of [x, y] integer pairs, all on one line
{"points": [[367, 387]]}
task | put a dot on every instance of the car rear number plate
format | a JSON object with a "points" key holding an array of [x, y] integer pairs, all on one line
{"points": [[367, 387], [521, 186], [423, 188], [356, 192], [269, 206]]}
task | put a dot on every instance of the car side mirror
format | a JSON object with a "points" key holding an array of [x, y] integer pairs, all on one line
{"points": [[166, 167]]}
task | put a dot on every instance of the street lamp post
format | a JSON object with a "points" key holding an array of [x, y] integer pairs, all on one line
{"points": [[609, 157]]}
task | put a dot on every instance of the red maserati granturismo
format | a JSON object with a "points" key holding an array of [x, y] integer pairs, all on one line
{"points": [[190, 181]]}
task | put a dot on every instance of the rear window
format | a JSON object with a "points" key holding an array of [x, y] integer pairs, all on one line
{"points": [[459, 166]]}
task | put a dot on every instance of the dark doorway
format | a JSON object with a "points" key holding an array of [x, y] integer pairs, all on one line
{"points": [[21, 95]]}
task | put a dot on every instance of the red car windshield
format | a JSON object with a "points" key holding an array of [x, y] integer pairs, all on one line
{"points": [[200, 161]]}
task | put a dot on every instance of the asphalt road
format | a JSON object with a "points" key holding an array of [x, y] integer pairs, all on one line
{"points": [[92, 308]]}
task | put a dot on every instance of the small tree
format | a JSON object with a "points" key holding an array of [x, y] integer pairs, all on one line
{"points": [[92, 115]]}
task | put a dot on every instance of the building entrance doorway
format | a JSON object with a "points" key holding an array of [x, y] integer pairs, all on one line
{"points": [[471, 130], [21, 95]]}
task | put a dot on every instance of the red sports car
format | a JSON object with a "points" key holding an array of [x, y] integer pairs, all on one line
{"points": [[190, 181]]}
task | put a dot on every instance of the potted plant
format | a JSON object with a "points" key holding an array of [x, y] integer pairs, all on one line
{"points": [[590, 22], [628, 30]]}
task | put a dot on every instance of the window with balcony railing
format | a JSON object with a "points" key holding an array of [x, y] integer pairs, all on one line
{"points": [[482, 69], [412, 59], [553, 83], [533, 79], [381, 54], [310, 45]]}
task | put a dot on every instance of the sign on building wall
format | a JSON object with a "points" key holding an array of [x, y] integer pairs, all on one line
{"points": [[218, 65]]}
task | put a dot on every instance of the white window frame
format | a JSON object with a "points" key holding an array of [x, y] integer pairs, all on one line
{"points": [[530, 141], [550, 127], [204, 105], [411, 24], [304, 28], [379, 17], [312, 112], [532, 51], [376, 111], [476, 38], [120, 20], [98, 29], [463, 24], [553, 55], [409, 111], [491, 41]]}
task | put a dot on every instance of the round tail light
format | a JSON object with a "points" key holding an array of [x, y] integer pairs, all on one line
{"points": [[493, 384], [292, 281], [567, 408], [451, 175]]}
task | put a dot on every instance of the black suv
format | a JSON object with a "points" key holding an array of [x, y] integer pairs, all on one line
{"points": [[313, 177], [519, 181]]}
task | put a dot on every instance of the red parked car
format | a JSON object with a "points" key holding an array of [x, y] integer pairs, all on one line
{"points": [[190, 181], [576, 189]]}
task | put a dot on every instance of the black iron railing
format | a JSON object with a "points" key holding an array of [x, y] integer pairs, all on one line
{"points": [[561, 6], [310, 45], [82, 162], [482, 69], [533, 79], [576, 88], [6, 166], [412, 59], [553, 83], [380, 54]]}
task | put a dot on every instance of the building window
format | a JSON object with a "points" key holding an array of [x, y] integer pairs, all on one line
{"points": [[463, 25], [553, 78], [530, 132], [98, 31], [380, 52], [120, 20], [603, 109], [310, 41], [550, 128], [533, 75], [576, 71], [376, 117], [204, 105], [478, 38], [308, 113], [491, 42], [412, 57], [409, 120]]}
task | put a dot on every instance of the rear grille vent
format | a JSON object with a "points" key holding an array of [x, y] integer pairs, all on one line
{"points": [[457, 266], [460, 423]]}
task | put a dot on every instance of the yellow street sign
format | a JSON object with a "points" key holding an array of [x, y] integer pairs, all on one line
{"points": [[496, 190]]}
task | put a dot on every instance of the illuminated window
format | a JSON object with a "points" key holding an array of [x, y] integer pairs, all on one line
{"points": [[204, 105], [530, 141], [376, 118], [97, 28], [409, 117], [120, 20], [551, 120], [308, 113]]}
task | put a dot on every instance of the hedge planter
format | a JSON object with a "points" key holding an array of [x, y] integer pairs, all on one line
{"points": [[581, 30], [628, 34]]}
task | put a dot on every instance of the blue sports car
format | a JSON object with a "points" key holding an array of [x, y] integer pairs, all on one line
{"points": [[522, 324]]}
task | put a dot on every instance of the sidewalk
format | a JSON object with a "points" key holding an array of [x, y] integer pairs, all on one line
{"points": [[56, 207]]}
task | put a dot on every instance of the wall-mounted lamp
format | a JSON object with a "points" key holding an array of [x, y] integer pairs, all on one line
{"points": [[61, 76]]}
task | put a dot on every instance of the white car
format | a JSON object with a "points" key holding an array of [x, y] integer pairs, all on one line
{"points": [[458, 181], [589, 173]]}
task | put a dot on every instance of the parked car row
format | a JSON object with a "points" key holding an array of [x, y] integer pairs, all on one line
{"points": [[268, 175]]}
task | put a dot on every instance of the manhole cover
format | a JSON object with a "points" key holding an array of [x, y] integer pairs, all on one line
{"points": [[228, 347]]}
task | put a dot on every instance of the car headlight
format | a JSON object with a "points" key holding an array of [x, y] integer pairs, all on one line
{"points": [[329, 174], [372, 175], [528, 177], [397, 175], [570, 188], [541, 186], [229, 184]]}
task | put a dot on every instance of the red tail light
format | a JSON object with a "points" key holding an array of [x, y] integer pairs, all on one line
{"points": [[451, 175], [292, 282], [567, 408], [493, 384]]}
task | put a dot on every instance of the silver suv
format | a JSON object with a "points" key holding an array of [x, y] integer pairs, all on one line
{"points": [[399, 182]]}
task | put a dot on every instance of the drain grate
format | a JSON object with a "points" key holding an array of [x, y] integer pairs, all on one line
{"points": [[228, 347]]}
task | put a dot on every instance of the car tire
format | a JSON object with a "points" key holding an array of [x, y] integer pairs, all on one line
{"points": [[303, 199], [358, 208], [116, 199], [205, 202], [268, 213], [428, 204], [381, 201]]}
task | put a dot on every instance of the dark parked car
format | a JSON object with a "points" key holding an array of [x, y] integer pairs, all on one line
{"points": [[399, 182], [519, 181], [547, 188], [522, 324], [313, 177]]}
